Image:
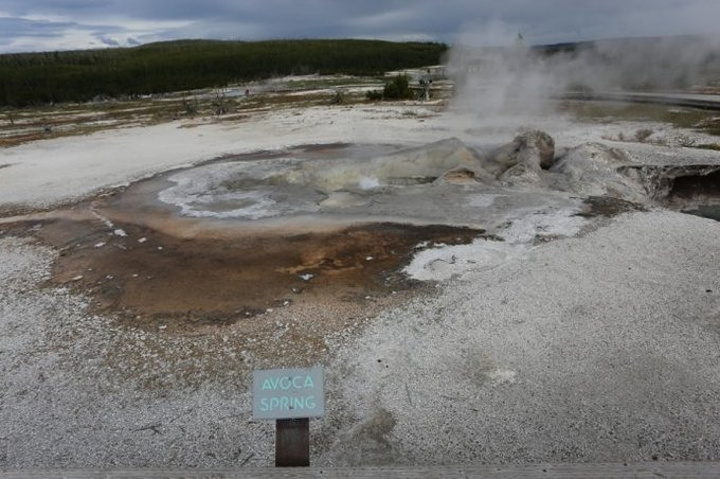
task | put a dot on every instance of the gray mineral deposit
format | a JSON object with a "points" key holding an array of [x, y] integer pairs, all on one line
{"points": [[544, 299]]}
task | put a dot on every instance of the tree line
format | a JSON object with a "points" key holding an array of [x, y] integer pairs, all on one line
{"points": [[79, 76]]}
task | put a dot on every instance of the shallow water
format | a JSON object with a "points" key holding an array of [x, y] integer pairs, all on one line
{"points": [[331, 186], [709, 211]]}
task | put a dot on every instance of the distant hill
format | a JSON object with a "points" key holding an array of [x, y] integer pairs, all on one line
{"points": [[678, 41], [77, 76]]}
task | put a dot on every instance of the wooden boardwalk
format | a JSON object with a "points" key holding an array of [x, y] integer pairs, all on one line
{"points": [[691, 100], [654, 470]]}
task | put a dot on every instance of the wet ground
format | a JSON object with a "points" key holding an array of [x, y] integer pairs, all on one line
{"points": [[150, 265], [151, 276], [697, 195], [233, 239], [277, 296]]}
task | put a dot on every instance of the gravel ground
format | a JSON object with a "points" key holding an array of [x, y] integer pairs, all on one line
{"points": [[599, 348], [75, 387]]}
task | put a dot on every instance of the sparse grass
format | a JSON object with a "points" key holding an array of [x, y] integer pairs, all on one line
{"points": [[643, 134], [18, 126], [700, 120], [320, 83], [709, 146]]}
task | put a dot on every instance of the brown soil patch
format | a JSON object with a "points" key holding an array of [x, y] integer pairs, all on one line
{"points": [[148, 277]]}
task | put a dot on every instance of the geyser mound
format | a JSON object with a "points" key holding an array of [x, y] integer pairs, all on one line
{"points": [[445, 182], [410, 183]]}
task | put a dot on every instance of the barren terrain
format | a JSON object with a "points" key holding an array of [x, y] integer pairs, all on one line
{"points": [[468, 306]]}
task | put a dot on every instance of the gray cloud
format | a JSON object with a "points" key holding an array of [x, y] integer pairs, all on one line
{"points": [[78, 23], [13, 27], [109, 41]]}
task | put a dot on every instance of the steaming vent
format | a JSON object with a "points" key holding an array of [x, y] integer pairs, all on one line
{"points": [[438, 181], [288, 186], [698, 193]]}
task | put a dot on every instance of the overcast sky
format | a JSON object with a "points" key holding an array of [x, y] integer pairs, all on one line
{"points": [[36, 25]]}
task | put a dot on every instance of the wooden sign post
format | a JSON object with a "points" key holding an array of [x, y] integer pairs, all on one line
{"points": [[290, 397], [292, 442]]}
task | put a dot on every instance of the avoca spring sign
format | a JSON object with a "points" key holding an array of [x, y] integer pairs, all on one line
{"points": [[288, 393]]}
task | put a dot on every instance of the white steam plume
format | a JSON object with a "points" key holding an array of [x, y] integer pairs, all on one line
{"points": [[517, 80]]}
